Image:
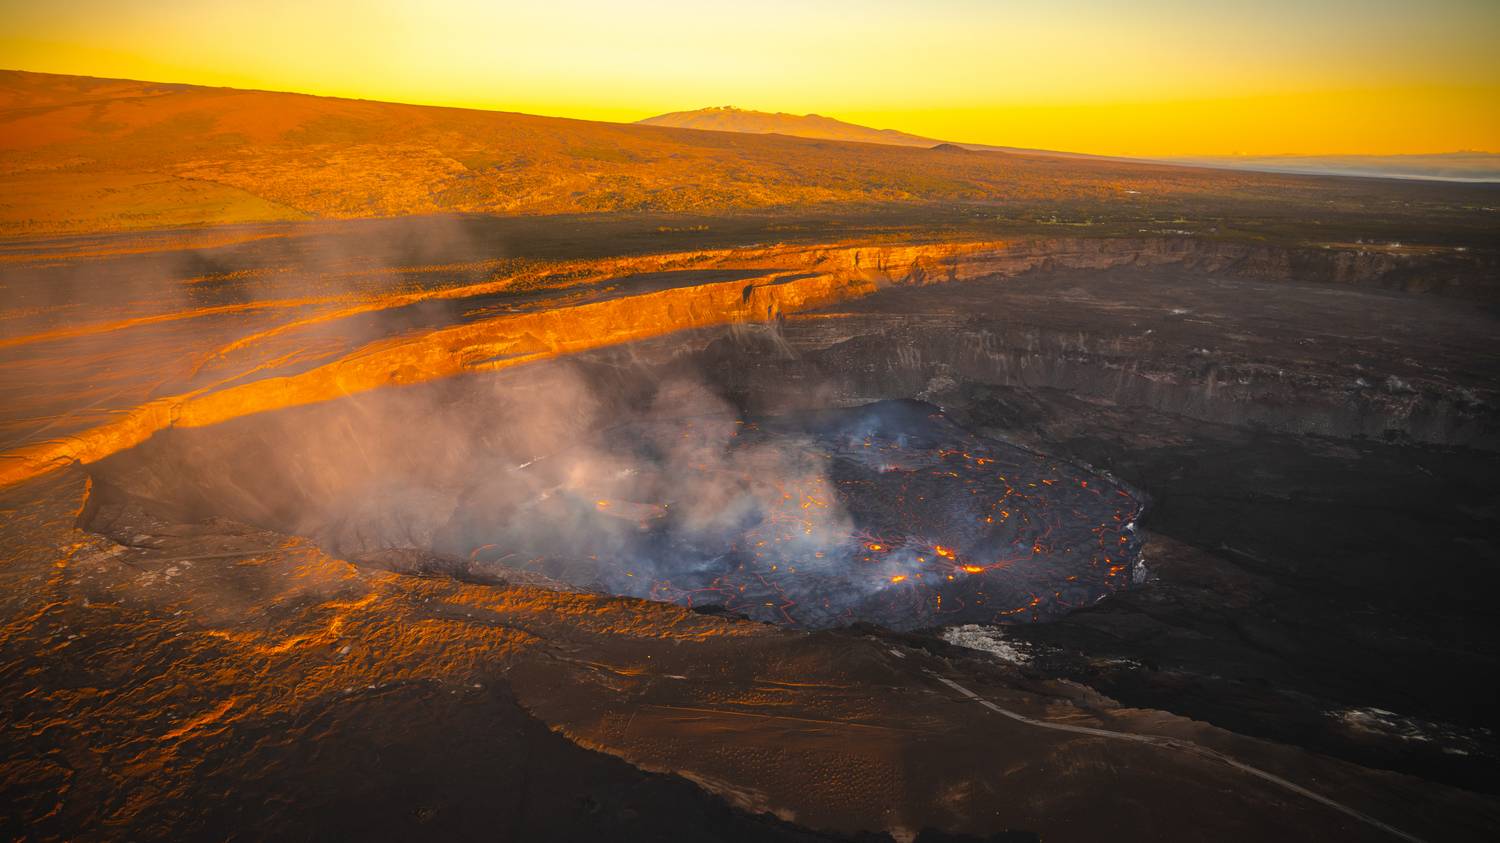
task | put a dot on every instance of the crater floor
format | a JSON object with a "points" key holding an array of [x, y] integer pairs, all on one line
{"points": [[888, 513]]}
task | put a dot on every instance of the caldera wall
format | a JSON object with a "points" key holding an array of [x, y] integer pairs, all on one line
{"points": [[952, 327]]}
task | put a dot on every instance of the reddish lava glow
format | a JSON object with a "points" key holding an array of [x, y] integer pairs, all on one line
{"points": [[813, 523]]}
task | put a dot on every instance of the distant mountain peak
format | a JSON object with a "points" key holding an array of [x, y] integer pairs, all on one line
{"points": [[728, 118]]}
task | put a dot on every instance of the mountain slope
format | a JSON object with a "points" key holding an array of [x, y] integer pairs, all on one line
{"points": [[79, 154], [727, 118], [730, 119], [1449, 166]]}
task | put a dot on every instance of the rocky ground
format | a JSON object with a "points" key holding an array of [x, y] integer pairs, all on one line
{"points": [[215, 679], [1320, 464], [186, 653]]}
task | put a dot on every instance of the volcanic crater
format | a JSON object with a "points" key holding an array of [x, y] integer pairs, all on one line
{"points": [[887, 513], [559, 500]]}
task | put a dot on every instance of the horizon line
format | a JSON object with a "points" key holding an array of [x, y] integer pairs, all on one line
{"points": [[1179, 158]]}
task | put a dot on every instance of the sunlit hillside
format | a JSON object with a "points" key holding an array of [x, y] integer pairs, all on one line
{"points": [[83, 154]]}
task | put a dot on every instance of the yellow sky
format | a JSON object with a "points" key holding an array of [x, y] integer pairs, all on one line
{"points": [[1150, 77]]}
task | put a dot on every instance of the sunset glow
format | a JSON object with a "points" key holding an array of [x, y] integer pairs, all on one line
{"points": [[1160, 78]]}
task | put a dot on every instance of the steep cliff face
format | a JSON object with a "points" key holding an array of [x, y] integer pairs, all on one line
{"points": [[1114, 329], [936, 359], [613, 302], [1197, 333], [1454, 272]]}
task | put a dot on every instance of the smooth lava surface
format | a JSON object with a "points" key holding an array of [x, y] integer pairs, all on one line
{"points": [[889, 513]]}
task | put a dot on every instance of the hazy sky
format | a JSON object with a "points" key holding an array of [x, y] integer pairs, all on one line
{"points": [[1150, 77]]}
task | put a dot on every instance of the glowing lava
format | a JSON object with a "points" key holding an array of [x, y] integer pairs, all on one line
{"points": [[888, 513]]}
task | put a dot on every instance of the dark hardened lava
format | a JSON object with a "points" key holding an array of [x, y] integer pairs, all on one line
{"points": [[888, 513], [1321, 551]]}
